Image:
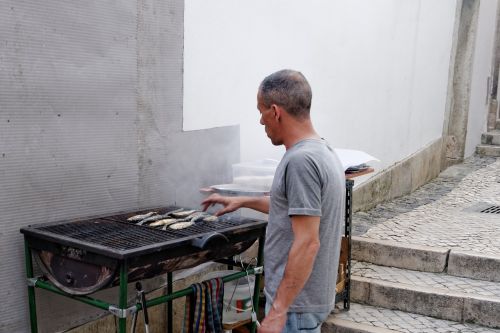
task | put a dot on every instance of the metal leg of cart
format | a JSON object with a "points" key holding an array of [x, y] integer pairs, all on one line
{"points": [[31, 289], [122, 302], [170, 317], [256, 290], [348, 223]]}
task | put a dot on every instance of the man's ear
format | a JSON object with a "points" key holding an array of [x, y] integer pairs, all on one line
{"points": [[277, 112]]}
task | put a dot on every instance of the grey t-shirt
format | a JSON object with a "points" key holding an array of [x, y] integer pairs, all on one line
{"points": [[309, 181]]}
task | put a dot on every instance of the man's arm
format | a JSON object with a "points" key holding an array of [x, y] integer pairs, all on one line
{"points": [[298, 268], [231, 204]]}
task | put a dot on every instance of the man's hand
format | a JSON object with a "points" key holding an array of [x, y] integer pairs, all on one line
{"points": [[274, 322], [230, 203]]}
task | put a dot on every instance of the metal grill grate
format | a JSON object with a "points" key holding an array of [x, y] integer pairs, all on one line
{"points": [[127, 236], [200, 228], [491, 210], [110, 234]]}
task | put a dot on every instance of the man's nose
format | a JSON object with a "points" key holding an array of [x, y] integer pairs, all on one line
{"points": [[261, 121]]}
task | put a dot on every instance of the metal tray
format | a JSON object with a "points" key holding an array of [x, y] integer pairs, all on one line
{"points": [[238, 189]]}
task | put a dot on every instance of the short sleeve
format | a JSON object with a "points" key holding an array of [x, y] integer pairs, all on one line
{"points": [[303, 186]]}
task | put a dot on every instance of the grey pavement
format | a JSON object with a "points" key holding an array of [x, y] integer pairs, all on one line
{"points": [[428, 193], [400, 321], [444, 212]]}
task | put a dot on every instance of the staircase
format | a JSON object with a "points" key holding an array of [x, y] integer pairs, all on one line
{"points": [[490, 143], [424, 289], [434, 267]]}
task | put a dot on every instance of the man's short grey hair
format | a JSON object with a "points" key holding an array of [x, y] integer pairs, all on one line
{"points": [[288, 89]]}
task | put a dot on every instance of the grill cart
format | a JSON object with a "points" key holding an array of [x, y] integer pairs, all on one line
{"points": [[82, 256]]}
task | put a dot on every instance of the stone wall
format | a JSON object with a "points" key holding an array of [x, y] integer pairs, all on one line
{"points": [[402, 178]]}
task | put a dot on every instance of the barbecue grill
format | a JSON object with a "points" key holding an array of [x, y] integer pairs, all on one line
{"points": [[82, 256]]}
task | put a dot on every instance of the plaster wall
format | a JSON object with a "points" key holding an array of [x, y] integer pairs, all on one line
{"points": [[481, 70], [91, 124], [378, 69]]}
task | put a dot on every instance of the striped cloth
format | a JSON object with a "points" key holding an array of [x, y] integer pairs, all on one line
{"points": [[203, 311]]}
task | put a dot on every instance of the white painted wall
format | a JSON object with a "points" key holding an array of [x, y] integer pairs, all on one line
{"points": [[378, 69], [482, 62]]}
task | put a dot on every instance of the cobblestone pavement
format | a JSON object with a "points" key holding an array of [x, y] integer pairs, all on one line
{"points": [[426, 279], [426, 194], [442, 213], [406, 322]]}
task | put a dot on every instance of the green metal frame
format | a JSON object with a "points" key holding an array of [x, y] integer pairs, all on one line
{"points": [[31, 288], [256, 290], [122, 311]]}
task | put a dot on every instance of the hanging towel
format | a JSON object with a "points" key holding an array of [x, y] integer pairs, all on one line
{"points": [[203, 311]]}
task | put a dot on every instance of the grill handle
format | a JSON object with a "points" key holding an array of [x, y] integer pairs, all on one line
{"points": [[203, 242]]}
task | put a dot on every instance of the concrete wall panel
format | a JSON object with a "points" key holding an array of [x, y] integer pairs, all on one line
{"points": [[90, 124], [481, 70]]}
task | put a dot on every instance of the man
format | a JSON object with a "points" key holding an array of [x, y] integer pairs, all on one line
{"points": [[306, 210]]}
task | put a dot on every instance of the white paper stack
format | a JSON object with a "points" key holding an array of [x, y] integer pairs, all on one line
{"points": [[353, 158]]}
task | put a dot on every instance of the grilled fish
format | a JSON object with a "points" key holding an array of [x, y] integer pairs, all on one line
{"points": [[141, 217], [158, 217], [210, 218], [182, 214], [180, 225], [162, 222], [197, 216]]}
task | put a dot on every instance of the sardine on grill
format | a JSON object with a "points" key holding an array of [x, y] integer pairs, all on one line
{"points": [[180, 225], [197, 216], [210, 218], [162, 222], [141, 217], [183, 214], [202, 217], [159, 217], [152, 219]]}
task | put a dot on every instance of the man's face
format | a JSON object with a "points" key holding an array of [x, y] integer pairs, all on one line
{"points": [[269, 120]]}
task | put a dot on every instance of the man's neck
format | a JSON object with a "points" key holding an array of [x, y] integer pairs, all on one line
{"points": [[300, 132]]}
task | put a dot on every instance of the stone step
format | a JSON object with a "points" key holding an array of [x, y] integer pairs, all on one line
{"points": [[478, 266], [426, 258], [491, 138], [436, 295], [488, 150], [370, 319], [395, 254]]}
